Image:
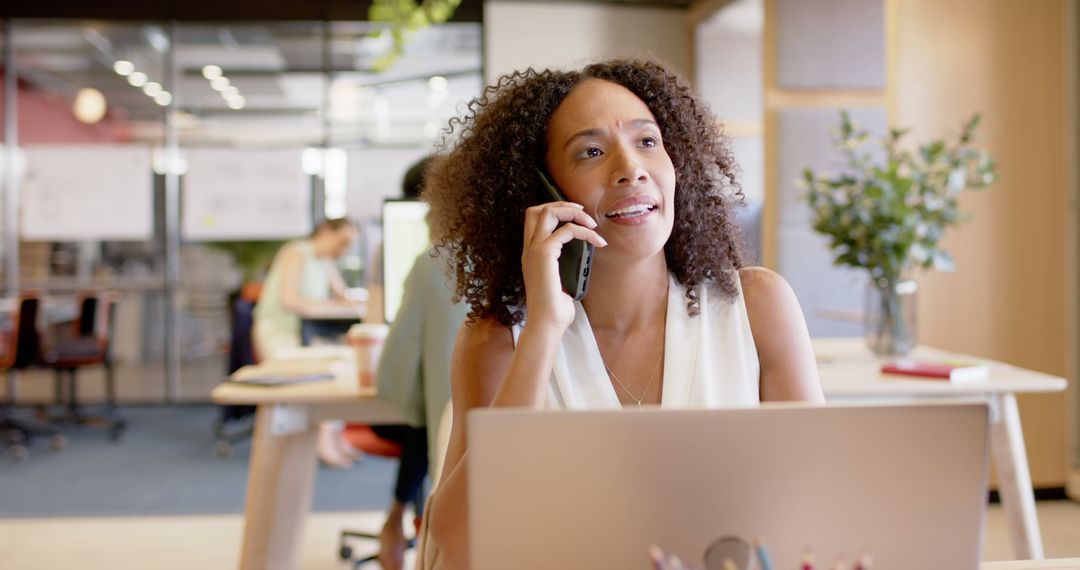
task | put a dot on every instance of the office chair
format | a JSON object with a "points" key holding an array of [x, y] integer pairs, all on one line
{"points": [[22, 350], [365, 439], [237, 423], [89, 344]]}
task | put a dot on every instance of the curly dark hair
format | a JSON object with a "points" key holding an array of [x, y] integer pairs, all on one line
{"points": [[481, 187]]}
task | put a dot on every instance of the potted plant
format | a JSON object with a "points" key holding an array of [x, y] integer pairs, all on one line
{"points": [[251, 257], [886, 211]]}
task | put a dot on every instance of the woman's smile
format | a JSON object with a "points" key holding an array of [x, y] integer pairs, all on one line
{"points": [[632, 211]]}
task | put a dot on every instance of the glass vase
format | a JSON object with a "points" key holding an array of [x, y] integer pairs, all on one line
{"points": [[889, 324]]}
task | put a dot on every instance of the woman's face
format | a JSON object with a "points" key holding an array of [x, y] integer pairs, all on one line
{"points": [[605, 152], [339, 241]]}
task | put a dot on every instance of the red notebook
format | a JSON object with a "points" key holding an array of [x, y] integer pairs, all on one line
{"points": [[951, 370]]}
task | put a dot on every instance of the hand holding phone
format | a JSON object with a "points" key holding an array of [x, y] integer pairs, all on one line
{"points": [[575, 262]]}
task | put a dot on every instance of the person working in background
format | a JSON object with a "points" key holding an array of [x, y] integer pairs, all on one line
{"points": [[414, 376], [304, 283]]}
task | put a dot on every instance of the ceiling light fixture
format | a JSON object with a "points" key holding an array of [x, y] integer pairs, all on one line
{"points": [[152, 89], [137, 79], [237, 102], [211, 71], [230, 92], [219, 83], [123, 67], [438, 83], [163, 98], [89, 105]]}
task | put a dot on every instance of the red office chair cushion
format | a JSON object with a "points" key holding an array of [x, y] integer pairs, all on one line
{"points": [[363, 438], [74, 352]]}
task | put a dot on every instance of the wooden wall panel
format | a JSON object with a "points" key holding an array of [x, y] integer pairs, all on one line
{"points": [[1007, 299]]}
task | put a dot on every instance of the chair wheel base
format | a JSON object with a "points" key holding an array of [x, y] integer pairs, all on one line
{"points": [[223, 449], [117, 431], [18, 453]]}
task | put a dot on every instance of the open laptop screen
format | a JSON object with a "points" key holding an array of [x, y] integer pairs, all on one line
{"points": [[405, 236]]}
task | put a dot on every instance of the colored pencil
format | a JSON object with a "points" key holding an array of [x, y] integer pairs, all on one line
{"points": [[763, 555]]}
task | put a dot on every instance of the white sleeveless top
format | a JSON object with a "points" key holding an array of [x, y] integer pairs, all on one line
{"points": [[710, 360]]}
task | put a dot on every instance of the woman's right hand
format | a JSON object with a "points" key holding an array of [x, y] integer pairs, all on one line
{"points": [[546, 302]]}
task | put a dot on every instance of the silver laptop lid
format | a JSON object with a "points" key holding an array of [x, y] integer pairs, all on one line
{"points": [[594, 489]]}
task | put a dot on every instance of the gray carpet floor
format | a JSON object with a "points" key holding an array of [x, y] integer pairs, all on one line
{"points": [[164, 465]]}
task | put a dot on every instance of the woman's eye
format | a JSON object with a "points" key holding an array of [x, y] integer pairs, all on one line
{"points": [[591, 152], [649, 141]]}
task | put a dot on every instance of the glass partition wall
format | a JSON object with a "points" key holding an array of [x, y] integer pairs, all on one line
{"points": [[266, 128]]}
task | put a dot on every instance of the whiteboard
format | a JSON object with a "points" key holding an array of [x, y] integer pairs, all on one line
{"points": [[87, 192], [231, 194]]}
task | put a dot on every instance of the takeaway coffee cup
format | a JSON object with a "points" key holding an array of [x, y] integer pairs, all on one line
{"points": [[367, 340]]}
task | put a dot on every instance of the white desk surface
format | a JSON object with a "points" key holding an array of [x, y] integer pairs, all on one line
{"points": [[848, 369], [1058, 564], [341, 398], [846, 366], [330, 391], [309, 360]]}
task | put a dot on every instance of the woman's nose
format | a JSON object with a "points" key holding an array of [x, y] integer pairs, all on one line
{"points": [[628, 170]]}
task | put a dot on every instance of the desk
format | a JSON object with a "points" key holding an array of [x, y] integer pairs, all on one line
{"points": [[281, 472], [1059, 564], [335, 313], [849, 371], [282, 467], [328, 324]]}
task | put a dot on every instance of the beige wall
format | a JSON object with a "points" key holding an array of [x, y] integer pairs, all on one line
{"points": [[1008, 298], [522, 34]]}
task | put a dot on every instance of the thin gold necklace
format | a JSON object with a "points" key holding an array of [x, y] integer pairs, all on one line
{"points": [[627, 390]]}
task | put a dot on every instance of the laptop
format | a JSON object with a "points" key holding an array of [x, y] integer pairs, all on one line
{"points": [[905, 484]]}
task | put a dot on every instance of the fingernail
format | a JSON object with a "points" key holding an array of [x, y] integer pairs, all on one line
{"points": [[578, 206], [602, 240], [592, 222]]}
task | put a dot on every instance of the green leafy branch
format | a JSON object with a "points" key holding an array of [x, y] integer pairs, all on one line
{"points": [[404, 17], [889, 216]]}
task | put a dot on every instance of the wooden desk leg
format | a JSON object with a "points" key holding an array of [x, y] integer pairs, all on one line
{"points": [[1014, 478], [281, 475]]}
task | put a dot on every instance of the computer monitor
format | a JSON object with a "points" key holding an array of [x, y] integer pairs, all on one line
{"points": [[405, 236], [595, 489]]}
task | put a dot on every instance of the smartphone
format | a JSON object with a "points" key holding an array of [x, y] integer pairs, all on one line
{"points": [[575, 261]]}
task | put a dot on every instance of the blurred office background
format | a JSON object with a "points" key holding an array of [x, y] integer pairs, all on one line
{"points": [[277, 125], [303, 127]]}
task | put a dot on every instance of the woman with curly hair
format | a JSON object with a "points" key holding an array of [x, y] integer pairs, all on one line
{"points": [[671, 317]]}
